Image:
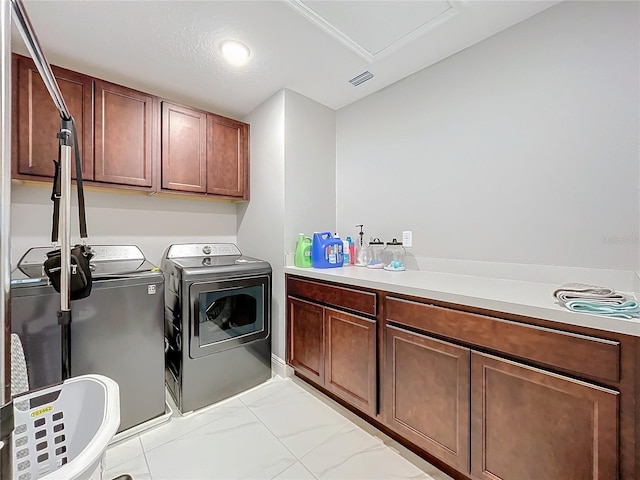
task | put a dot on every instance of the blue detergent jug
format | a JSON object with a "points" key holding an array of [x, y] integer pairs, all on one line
{"points": [[326, 250]]}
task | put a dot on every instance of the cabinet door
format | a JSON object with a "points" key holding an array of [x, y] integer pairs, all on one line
{"points": [[427, 394], [306, 339], [528, 424], [38, 120], [227, 156], [123, 135], [350, 359], [184, 148]]}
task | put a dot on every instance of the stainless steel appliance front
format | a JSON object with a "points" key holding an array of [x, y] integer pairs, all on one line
{"points": [[217, 323], [117, 331]]}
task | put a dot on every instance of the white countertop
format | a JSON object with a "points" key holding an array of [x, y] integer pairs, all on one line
{"points": [[529, 298]]}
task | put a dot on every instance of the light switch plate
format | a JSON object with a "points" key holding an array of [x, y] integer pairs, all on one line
{"points": [[407, 238]]}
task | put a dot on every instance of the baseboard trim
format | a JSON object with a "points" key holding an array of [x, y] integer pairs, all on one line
{"points": [[279, 367]]}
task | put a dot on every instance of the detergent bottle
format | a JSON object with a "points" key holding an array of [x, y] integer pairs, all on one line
{"points": [[303, 252], [326, 251]]}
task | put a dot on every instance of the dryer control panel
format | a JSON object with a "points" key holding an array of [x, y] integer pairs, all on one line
{"points": [[202, 250]]}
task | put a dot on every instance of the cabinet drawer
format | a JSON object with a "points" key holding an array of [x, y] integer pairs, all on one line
{"points": [[354, 300], [581, 354]]}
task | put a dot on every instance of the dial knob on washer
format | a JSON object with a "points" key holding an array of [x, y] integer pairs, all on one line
{"points": [[206, 249]]}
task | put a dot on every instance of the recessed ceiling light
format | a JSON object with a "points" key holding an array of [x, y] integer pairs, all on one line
{"points": [[236, 53]]}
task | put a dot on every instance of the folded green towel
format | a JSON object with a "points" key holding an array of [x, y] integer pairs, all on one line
{"points": [[628, 310]]}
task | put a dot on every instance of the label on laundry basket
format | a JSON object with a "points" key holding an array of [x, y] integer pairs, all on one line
{"points": [[42, 411]]}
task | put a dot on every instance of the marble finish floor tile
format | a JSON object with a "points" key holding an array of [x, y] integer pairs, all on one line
{"points": [[181, 425], [136, 467], [431, 470], [235, 446], [267, 388], [296, 472], [276, 431], [123, 451], [297, 418], [353, 454]]}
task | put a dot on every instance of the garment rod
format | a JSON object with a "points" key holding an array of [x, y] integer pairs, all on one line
{"points": [[5, 202], [31, 41], [44, 69], [6, 405]]}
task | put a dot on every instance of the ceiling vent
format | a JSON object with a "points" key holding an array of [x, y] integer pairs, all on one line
{"points": [[363, 77]]}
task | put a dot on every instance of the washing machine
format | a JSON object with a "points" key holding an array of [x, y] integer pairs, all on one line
{"points": [[217, 322], [117, 331]]}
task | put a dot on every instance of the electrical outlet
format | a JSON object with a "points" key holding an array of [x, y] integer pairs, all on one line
{"points": [[407, 238]]}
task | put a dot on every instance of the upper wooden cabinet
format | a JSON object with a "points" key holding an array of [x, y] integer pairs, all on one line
{"points": [[127, 138], [123, 136], [184, 148], [202, 152], [37, 121], [227, 156]]}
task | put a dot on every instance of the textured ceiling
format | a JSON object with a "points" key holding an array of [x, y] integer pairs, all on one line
{"points": [[170, 48]]}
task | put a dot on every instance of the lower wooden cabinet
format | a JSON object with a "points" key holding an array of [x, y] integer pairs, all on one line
{"points": [[517, 423], [529, 424], [350, 358], [492, 398], [306, 338], [335, 349], [427, 394]]}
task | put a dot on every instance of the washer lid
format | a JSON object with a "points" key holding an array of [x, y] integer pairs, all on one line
{"points": [[109, 261]]}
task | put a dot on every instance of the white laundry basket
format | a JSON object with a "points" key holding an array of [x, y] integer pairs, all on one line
{"points": [[62, 432]]}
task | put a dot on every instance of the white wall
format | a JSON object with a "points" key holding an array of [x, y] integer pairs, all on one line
{"points": [[310, 168], [292, 187], [152, 223], [260, 227], [523, 148]]}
